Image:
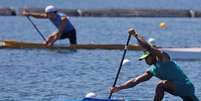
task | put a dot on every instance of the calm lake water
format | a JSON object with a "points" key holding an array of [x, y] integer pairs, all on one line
{"points": [[50, 75]]}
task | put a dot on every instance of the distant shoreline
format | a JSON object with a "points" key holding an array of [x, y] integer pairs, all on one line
{"points": [[111, 12]]}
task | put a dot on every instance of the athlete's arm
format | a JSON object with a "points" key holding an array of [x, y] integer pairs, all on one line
{"points": [[133, 82], [36, 15], [64, 19], [162, 56]]}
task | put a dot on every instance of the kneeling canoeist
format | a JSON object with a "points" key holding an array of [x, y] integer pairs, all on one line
{"points": [[172, 78], [60, 20]]}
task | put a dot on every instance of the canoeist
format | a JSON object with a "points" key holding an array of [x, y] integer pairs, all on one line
{"points": [[60, 20], [172, 79]]}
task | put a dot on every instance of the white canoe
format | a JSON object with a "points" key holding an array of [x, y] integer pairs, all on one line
{"points": [[184, 53]]}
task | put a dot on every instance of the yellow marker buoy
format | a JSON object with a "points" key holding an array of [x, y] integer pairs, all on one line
{"points": [[163, 25]]}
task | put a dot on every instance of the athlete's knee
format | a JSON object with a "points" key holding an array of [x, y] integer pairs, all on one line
{"points": [[51, 37], [162, 84]]}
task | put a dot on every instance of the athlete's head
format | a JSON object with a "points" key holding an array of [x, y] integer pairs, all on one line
{"points": [[148, 57]]}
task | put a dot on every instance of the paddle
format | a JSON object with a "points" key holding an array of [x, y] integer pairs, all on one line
{"points": [[121, 63], [36, 28]]}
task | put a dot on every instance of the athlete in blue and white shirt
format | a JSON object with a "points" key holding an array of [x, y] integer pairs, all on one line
{"points": [[62, 23]]}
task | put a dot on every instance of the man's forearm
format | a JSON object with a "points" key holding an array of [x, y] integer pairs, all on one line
{"points": [[133, 82], [128, 84], [62, 27], [147, 46], [38, 15], [144, 44]]}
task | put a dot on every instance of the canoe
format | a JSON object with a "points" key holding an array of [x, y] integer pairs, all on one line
{"points": [[184, 53], [95, 99], [31, 45], [175, 53]]}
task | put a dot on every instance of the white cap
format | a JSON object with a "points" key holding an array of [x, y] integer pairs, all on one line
{"points": [[50, 9]]}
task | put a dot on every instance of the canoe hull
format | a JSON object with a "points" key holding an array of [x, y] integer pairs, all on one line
{"points": [[95, 99], [184, 55], [175, 53], [30, 45]]}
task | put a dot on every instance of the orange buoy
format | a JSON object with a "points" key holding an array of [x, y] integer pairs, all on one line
{"points": [[163, 25]]}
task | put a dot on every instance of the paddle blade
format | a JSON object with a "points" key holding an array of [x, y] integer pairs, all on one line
{"points": [[126, 61], [90, 95]]}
